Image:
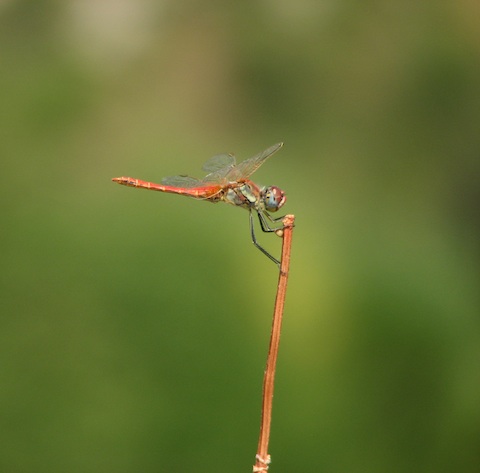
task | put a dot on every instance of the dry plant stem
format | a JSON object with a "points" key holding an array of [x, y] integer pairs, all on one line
{"points": [[262, 457]]}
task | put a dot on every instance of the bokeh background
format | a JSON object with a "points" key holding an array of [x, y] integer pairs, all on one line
{"points": [[134, 325]]}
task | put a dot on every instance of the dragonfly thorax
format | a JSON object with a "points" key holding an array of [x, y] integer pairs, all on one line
{"points": [[250, 196]]}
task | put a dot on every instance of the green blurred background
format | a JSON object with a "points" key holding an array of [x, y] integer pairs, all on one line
{"points": [[135, 325]]}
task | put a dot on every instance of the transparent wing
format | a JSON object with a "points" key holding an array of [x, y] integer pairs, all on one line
{"points": [[181, 181], [219, 166], [248, 167], [219, 162]]}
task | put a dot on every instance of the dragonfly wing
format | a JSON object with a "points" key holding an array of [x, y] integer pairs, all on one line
{"points": [[218, 162], [181, 181], [248, 167], [219, 167]]}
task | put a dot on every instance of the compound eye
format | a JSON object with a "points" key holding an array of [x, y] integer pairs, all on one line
{"points": [[273, 198]]}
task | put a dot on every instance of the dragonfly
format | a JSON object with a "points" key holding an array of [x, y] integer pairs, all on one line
{"points": [[227, 182]]}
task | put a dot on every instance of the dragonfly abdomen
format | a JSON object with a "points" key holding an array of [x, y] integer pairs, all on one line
{"points": [[212, 193]]}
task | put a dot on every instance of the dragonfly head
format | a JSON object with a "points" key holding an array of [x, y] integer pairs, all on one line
{"points": [[273, 198]]}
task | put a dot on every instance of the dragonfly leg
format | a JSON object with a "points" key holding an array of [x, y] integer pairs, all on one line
{"points": [[254, 239], [264, 224], [274, 220]]}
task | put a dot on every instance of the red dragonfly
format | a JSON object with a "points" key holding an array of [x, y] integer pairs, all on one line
{"points": [[228, 182]]}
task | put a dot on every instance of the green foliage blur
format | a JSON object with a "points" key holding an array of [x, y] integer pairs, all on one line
{"points": [[135, 325]]}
